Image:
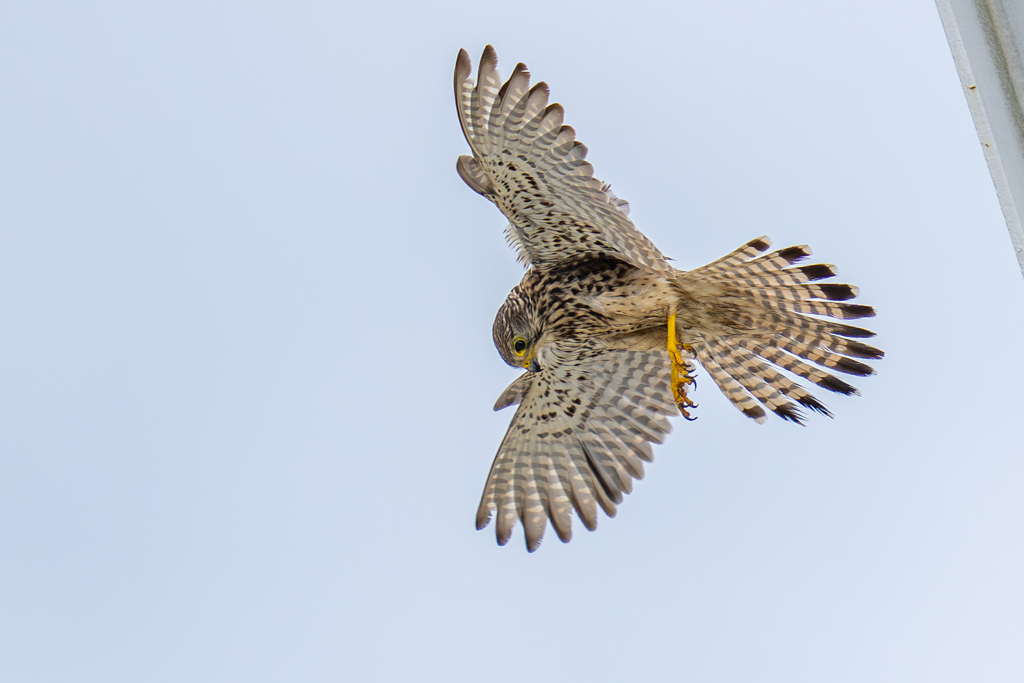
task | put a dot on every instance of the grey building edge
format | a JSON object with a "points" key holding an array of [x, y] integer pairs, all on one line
{"points": [[987, 41]]}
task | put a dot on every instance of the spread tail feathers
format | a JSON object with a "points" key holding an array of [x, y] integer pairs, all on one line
{"points": [[771, 315]]}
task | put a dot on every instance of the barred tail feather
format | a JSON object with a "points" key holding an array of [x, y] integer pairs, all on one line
{"points": [[741, 255], [773, 317], [732, 389]]}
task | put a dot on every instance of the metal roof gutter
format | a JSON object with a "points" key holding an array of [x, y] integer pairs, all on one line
{"points": [[987, 40]]}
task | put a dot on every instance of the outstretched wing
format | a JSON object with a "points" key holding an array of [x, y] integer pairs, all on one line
{"points": [[534, 170], [580, 436]]}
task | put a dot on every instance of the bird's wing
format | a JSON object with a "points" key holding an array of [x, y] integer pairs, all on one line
{"points": [[534, 170], [580, 436]]}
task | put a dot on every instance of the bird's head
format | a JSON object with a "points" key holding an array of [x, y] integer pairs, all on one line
{"points": [[516, 331]]}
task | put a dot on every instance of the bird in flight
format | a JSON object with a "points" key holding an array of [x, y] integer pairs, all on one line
{"points": [[609, 334]]}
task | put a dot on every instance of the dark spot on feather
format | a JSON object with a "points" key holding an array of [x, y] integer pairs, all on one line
{"points": [[570, 411], [758, 244]]}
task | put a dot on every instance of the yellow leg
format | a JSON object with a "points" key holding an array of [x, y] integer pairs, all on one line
{"points": [[680, 370]]}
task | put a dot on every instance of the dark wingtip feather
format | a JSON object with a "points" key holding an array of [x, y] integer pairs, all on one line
{"points": [[463, 68], [819, 271], [861, 350], [755, 413], [489, 55], [590, 525], [838, 292], [520, 68], [837, 385], [815, 405], [760, 244], [482, 521], [788, 412], [850, 331], [794, 254], [854, 311], [853, 367]]}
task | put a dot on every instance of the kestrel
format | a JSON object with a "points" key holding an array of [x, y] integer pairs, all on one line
{"points": [[609, 333]]}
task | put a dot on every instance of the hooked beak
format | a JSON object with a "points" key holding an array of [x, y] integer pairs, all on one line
{"points": [[534, 366]]}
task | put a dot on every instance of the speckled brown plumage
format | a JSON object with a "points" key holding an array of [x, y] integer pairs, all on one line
{"points": [[589, 320]]}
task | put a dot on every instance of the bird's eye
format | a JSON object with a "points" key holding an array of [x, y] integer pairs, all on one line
{"points": [[519, 345]]}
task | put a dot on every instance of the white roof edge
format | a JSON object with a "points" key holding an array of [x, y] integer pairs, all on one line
{"points": [[987, 41]]}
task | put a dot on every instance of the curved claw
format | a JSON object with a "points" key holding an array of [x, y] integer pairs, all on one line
{"points": [[680, 371], [684, 406]]}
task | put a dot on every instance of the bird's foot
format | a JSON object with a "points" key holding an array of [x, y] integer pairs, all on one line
{"points": [[680, 375]]}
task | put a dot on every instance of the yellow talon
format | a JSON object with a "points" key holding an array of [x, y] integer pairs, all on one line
{"points": [[680, 370]]}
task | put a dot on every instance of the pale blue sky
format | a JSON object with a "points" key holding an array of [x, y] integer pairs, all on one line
{"points": [[247, 376]]}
